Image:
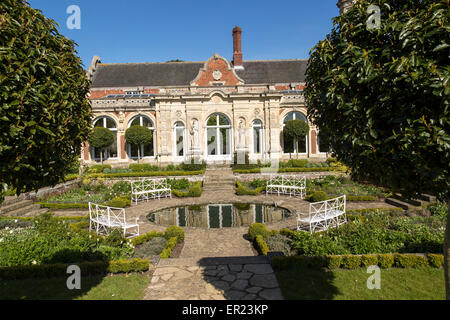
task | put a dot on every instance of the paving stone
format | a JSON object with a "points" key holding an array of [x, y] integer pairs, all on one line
{"points": [[235, 267], [240, 284], [258, 268], [229, 278], [264, 280], [253, 289], [271, 294], [235, 294], [250, 296], [210, 272], [221, 285], [244, 275], [166, 276]]}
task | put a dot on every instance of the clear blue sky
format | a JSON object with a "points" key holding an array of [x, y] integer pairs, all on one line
{"points": [[158, 31]]}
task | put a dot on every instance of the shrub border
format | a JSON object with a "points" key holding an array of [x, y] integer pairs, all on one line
{"points": [[300, 169], [397, 260], [87, 268]]}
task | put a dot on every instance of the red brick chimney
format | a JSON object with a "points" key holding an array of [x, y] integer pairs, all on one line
{"points": [[237, 50]]}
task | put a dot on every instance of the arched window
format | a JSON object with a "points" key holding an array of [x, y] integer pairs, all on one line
{"points": [[293, 145], [147, 150], [257, 136], [218, 135], [110, 152], [179, 139]]}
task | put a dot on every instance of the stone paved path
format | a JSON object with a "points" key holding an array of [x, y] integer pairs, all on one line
{"points": [[226, 278]]}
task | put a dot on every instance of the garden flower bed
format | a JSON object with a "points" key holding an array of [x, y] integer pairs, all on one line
{"points": [[44, 247], [116, 195], [320, 189], [376, 233]]}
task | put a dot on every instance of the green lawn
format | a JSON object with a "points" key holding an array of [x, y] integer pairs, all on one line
{"points": [[396, 284], [116, 287]]}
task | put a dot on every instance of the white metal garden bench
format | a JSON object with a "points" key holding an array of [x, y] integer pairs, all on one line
{"points": [[291, 185], [146, 189], [323, 215], [101, 218]]}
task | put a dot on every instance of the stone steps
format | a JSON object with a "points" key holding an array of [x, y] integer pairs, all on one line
{"points": [[26, 208], [409, 204]]}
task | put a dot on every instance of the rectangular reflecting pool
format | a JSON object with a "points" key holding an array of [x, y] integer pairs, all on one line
{"points": [[216, 216]]}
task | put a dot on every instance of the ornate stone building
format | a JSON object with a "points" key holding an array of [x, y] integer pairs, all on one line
{"points": [[207, 110]]}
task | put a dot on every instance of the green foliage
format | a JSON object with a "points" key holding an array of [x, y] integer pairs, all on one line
{"points": [[317, 196], [142, 167], [369, 260], [409, 260], [243, 190], [146, 237], [360, 198], [257, 229], [385, 260], [98, 168], [174, 232], [142, 174], [295, 129], [192, 166], [45, 115], [87, 268], [377, 233], [334, 262], [317, 169], [261, 245], [381, 96], [119, 202], [435, 260], [137, 135], [351, 261], [279, 243], [150, 248], [438, 209], [101, 138], [195, 190], [178, 184], [167, 252]]}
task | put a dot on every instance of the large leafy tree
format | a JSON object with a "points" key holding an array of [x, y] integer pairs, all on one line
{"points": [[44, 113], [382, 95], [137, 136]]}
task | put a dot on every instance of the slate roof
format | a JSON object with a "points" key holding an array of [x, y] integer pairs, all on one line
{"points": [[182, 73]]}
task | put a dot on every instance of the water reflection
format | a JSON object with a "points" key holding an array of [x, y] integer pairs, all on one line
{"points": [[218, 216]]}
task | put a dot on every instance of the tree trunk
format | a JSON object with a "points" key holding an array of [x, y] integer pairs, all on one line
{"points": [[139, 153], [101, 156], [447, 254]]}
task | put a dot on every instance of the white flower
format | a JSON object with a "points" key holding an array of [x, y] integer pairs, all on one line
{"points": [[34, 262], [7, 228], [1, 239]]}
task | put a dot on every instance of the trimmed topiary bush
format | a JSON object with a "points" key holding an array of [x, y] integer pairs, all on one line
{"points": [[435, 260], [257, 229], [334, 262], [385, 261], [261, 245], [174, 231], [351, 261], [317, 196], [369, 260], [409, 260]]}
